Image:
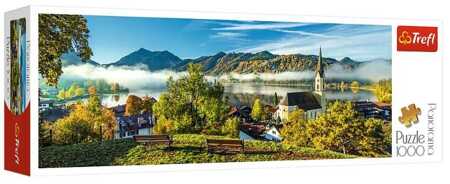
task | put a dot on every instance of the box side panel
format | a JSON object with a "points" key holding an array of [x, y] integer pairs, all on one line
{"points": [[17, 92]]}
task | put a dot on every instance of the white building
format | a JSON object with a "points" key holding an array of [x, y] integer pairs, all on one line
{"points": [[272, 134], [312, 103]]}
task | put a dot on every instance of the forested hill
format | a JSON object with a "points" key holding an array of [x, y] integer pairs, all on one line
{"points": [[237, 62], [264, 62]]}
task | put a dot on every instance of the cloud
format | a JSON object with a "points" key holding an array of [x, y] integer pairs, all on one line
{"points": [[258, 26], [357, 42], [268, 76], [278, 27], [134, 78], [230, 36], [374, 70], [305, 33]]}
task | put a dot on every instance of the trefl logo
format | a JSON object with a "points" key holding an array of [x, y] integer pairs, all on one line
{"points": [[417, 38], [17, 145]]}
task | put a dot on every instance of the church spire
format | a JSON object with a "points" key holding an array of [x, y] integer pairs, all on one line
{"points": [[319, 81], [319, 67], [320, 52]]}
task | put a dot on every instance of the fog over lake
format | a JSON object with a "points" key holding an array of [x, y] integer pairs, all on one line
{"points": [[245, 93], [142, 82]]}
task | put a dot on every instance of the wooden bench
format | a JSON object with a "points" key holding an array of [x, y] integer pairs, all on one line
{"points": [[225, 146], [153, 139]]}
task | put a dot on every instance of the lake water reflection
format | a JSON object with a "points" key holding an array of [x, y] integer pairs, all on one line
{"points": [[245, 93]]}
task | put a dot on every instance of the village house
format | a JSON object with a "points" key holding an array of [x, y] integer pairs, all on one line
{"points": [[312, 103], [128, 126], [243, 113], [52, 115], [249, 131], [378, 110], [51, 111], [45, 105]]}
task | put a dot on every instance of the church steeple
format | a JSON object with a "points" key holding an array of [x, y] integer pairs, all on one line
{"points": [[319, 79], [319, 67]]}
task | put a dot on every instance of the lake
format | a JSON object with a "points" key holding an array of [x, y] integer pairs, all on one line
{"points": [[245, 93]]}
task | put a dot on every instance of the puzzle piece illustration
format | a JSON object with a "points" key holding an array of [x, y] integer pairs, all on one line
{"points": [[410, 115]]}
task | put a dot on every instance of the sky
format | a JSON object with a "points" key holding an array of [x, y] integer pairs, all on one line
{"points": [[114, 37]]}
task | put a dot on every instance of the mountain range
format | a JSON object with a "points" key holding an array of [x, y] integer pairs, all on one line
{"points": [[73, 59], [222, 63], [154, 60]]}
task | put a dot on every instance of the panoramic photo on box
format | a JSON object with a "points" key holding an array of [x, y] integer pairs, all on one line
{"points": [[172, 91], [127, 91]]}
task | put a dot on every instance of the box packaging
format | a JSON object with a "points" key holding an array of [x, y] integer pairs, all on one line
{"points": [[90, 89]]}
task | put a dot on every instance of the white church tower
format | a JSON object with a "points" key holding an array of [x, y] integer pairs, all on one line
{"points": [[319, 81], [319, 78]]}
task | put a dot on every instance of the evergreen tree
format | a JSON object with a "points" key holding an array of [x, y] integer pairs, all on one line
{"points": [[258, 112], [276, 100]]}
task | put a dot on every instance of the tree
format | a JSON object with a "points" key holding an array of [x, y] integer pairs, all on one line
{"points": [[231, 127], [71, 91], [191, 103], [116, 98], [193, 87], [74, 128], [383, 91], [115, 87], [74, 91], [133, 105], [59, 34], [164, 126], [105, 125], [276, 101], [161, 111], [147, 104], [92, 90], [342, 86], [338, 129], [79, 92], [94, 104], [45, 133], [213, 110], [376, 139], [84, 125], [258, 112], [342, 129], [61, 94], [355, 84], [294, 130]]}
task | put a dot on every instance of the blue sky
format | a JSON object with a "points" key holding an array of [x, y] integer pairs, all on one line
{"points": [[114, 37]]}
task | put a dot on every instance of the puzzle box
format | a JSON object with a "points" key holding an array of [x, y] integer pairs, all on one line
{"points": [[166, 90]]}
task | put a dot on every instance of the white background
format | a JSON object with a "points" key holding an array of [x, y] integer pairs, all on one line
{"points": [[398, 173]]}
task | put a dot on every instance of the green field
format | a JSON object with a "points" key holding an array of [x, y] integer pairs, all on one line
{"points": [[187, 148]]}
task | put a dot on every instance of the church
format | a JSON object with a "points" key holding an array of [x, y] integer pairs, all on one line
{"points": [[312, 103]]}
